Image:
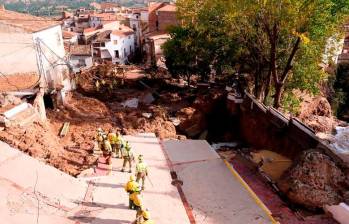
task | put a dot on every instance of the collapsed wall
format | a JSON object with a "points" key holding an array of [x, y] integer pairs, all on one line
{"points": [[317, 177]]}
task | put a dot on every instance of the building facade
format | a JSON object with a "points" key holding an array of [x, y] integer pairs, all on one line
{"points": [[117, 46], [33, 45]]}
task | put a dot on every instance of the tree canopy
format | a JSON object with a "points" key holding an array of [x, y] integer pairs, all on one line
{"points": [[280, 43]]}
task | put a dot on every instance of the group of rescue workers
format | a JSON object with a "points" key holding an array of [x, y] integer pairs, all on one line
{"points": [[114, 145]]}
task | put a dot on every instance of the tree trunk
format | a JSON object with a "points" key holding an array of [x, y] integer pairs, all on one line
{"points": [[280, 83], [277, 96], [267, 87], [258, 83]]}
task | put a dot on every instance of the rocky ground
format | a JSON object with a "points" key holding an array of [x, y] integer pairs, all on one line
{"points": [[314, 181]]}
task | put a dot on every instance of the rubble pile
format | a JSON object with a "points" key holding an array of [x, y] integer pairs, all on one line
{"points": [[102, 78], [39, 141], [316, 113], [314, 181]]}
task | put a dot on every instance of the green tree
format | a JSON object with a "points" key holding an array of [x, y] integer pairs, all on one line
{"points": [[297, 32], [280, 42], [180, 55]]}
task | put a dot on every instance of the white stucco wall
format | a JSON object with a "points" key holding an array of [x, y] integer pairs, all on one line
{"points": [[52, 47], [123, 45], [75, 61], [95, 21], [17, 51], [144, 16], [135, 22]]}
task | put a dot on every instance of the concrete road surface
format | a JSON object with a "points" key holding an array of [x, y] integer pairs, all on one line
{"points": [[32, 192], [215, 195], [56, 198]]}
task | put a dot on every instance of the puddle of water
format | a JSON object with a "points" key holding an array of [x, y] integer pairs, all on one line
{"points": [[272, 163]]}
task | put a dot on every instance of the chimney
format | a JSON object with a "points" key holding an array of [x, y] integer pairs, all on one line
{"points": [[2, 7]]}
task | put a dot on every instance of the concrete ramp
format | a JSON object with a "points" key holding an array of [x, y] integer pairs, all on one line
{"points": [[31, 190], [215, 195]]}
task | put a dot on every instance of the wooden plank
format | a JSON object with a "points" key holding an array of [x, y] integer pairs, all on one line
{"points": [[65, 129]]}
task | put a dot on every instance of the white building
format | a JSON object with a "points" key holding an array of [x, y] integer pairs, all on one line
{"points": [[117, 46], [32, 45], [136, 25], [80, 57]]}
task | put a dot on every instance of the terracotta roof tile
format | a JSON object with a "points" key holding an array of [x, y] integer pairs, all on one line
{"points": [[123, 31], [80, 50], [168, 8], [107, 5], [20, 81], [25, 21], [68, 34]]}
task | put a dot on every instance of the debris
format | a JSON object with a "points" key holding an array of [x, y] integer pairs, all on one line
{"points": [[65, 129], [147, 99], [314, 181], [86, 173], [147, 115], [131, 103], [339, 212], [228, 88], [9, 99], [217, 146], [175, 121]]}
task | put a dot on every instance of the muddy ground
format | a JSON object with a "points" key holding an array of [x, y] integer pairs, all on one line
{"points": [[90, 107], [165, 107]]}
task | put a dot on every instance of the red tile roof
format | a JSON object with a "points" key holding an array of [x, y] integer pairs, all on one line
{"points": [[80, 50], [68, 34], [27, 22], [123, 31], [108, 5], [19, 81], [88, 30], [168, 8]]}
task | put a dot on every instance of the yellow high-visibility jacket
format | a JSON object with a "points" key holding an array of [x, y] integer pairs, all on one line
{"points": [[136, 199], [107, 146], [148, 222], [142, 168], [112, 138], [131, 186]]}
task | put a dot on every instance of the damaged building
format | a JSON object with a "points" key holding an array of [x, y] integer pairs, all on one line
{"points": [[32, 54]]}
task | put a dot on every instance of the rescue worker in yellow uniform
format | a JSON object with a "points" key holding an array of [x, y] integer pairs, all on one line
{"points": [[128, 156], [99, 138], [107, 150], [136, 201], [146, 217], [130, 187], [119, 144], [141, 170], [112, 137]]}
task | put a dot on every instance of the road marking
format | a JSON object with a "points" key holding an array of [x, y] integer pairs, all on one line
{"points": [[252, 194]]}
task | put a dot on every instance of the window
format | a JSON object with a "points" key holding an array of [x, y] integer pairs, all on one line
{"points": [[125, 51], [130, 49], [115, 42], [116, 54], [129, 37], [102, 44], [82, 62]]}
